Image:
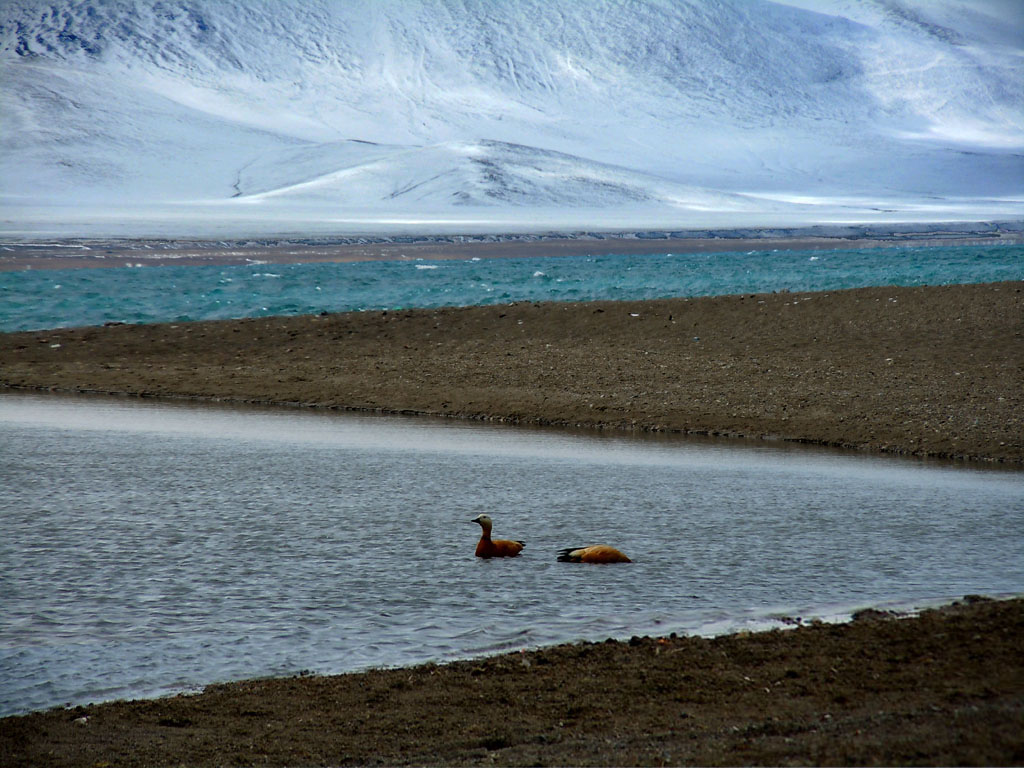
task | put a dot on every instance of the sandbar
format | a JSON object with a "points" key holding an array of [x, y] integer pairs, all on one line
{"points": [[931, 372]]}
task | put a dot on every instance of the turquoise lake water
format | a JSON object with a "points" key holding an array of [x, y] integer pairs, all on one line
{"points": [[37, 299]]}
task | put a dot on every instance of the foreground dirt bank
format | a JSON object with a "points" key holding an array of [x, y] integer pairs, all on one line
{"points": [[945, 688], [931, 371]]}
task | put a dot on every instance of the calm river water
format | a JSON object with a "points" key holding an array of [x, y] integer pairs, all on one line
{"points": [[150, 548]]}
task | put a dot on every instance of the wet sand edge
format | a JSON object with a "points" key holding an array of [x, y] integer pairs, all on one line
{"points": [[942, 688]]}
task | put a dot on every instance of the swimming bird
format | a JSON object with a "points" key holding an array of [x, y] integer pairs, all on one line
{"points": [[599, 553], [488, 547]]}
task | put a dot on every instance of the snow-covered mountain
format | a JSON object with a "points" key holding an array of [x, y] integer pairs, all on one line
{"points": [[335, 115]]}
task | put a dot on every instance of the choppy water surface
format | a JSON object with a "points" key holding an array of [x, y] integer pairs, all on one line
{"points": [[149, 548], [75, 297]]}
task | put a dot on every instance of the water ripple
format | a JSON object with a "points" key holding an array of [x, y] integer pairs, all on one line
{"points": [[152, 548], [32, 300]]}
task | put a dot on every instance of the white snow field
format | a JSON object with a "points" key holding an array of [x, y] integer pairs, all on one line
{"points": [[260, 117]]}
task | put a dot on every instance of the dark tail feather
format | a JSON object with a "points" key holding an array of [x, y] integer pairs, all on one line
{"points": [[565, 556]]}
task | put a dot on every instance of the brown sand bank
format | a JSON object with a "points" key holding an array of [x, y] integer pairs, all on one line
{"points": [[945, 688], [931, 371]]}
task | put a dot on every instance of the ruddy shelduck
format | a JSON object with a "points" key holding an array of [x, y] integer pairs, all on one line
{"points": [[488, 547], [599, 553]]}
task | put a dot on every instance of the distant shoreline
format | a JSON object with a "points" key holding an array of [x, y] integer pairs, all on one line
{"points": [[78, 253]]}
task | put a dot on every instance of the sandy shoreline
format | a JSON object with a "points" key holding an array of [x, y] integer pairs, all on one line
{"points": [[922, 371], [943, 688]]}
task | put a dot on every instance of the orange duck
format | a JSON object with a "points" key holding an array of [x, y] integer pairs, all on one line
{"points": [[488, 547], [598, 553]]}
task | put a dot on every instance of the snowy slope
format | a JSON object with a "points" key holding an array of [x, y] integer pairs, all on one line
{"points": [[564, 112]]}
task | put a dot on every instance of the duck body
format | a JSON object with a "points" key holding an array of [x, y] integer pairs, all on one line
{"points": [[599, 553], [498, 548], [488, 547]]}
